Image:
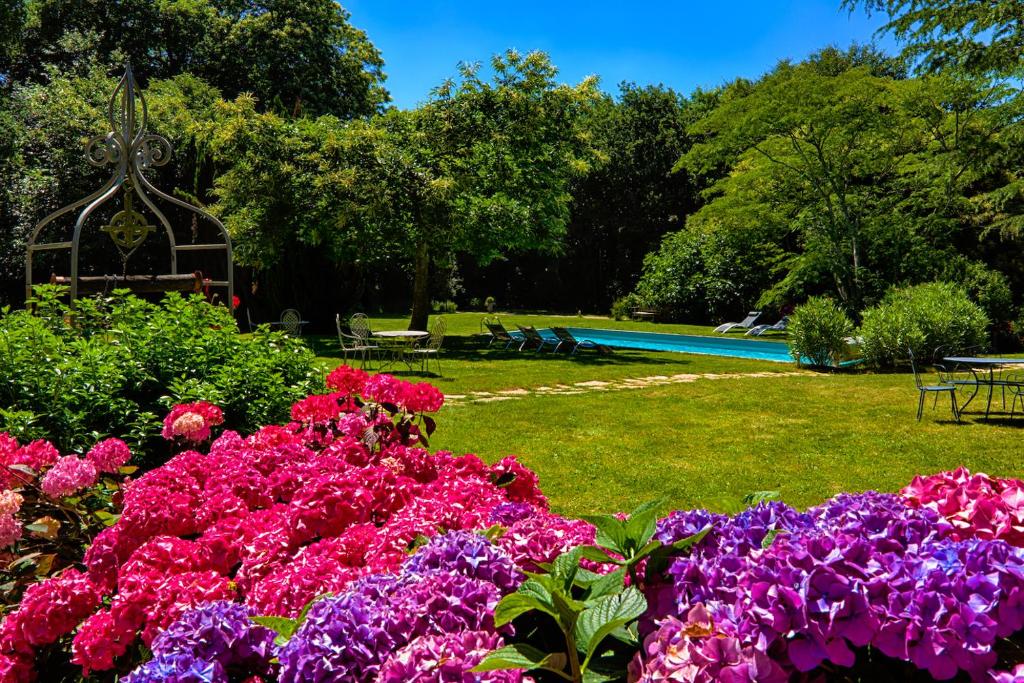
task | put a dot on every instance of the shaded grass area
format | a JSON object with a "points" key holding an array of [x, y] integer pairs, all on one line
{"points": [[701, 444]]}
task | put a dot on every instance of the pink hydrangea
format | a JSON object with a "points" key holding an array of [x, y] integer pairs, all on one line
{"points": [[192, 422], [10, 530], [977, 505], [446, 658], [109, 455], [100, 640], [37, 455], [10, 502], [70, 475], [697, 652], [348, 380], [542, 537]]}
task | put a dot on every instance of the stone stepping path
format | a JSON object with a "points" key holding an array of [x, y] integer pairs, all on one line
{"points": [[596, 385]]}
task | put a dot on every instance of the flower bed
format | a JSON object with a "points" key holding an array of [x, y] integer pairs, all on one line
{"points": [[338, 548]]}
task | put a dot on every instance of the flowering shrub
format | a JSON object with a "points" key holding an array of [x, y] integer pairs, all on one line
{"points": [[292, 512], [51, 506], [336, 547], [773, 592]]}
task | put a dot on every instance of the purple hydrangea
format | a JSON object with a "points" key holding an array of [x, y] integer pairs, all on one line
{"points": [[859, 570], [507, 514], [468, 554], [348, 637], [209, 643]]}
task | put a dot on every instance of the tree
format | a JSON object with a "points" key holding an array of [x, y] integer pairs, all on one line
{"points": [[979, 38], [867, 173], [294, 56], [482, 169], [630, 198]]}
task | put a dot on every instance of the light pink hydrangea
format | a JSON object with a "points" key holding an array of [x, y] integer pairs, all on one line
{"points": [[10, 502], [70, 475], [192, 422], [10, 530], [109, 455]]}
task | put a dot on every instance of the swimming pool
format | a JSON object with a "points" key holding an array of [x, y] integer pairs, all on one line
{"points": [[777, 352]]}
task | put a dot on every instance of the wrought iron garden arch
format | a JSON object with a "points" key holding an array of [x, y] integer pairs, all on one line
{"points": [[131, 149]]}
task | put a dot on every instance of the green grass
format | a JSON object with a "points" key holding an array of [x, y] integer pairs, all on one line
{"points": [[705, 443]]}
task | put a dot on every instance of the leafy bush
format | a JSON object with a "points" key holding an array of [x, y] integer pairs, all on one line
{"points": [[624, 305], [444, 306], [110, 366], [922, 318], [818, 331]]}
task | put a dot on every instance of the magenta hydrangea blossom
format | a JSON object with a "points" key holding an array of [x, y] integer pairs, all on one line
{"points": [[68, 476], [109, 455]]}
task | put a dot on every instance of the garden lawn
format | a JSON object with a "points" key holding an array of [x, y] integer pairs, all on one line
{"points": [[703, 443]]}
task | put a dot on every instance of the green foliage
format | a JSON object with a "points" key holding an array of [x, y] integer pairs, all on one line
{"points": [[629, 198], [986, 287], [57, 531], [707, 272], [444, 306], [113, 366], [295, 56], [857, 178], [925, 318], [595, 613], [818, 331], [624, 306]]}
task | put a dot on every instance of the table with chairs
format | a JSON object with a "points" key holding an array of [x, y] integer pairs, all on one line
{"points": [[384, 349], [968, 376]]}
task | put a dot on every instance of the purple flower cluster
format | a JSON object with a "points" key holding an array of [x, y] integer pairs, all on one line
{"points": [[433, 621], [859, 570], [209, 644]]}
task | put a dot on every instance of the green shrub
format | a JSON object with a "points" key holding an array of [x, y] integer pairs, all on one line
{"points": [[113, 366], [818, 331], [922, 318], [624, 305], [444, 306]]}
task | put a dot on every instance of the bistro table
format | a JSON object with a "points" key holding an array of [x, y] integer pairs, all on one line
{"points": [[398, 342], [985, 363]]}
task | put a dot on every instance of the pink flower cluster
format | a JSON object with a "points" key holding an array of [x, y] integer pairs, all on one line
{"points": [[109, 455], [386, 389], [35, 455], [192, 422], [285, 515], [977, 505], [69, 475]]}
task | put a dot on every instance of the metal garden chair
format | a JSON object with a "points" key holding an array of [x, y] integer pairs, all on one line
{"points": [[350, 343], [291, 321], [935, 389], [432, 347]]}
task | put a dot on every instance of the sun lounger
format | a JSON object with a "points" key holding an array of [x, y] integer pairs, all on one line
{"points": [[747, 323], [758, 330], [500, 334], [565, 338], [533, 338]]}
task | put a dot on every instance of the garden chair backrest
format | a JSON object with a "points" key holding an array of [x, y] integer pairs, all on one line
{"points": [[437, 331], [248, 316], [564, 335], [913, 367], [360, 326], [291, 321], [530, 332], [498, 330]]}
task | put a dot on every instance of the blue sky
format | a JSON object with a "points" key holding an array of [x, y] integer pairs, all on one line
{"points": [[683, 44]]}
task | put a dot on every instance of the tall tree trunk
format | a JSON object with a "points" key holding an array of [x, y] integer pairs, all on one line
{"points": [[421, 288]]}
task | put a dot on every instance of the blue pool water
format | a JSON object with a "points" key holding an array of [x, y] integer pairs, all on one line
{"points": [[685, 343]]}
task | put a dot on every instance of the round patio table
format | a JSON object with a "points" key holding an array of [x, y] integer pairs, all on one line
{"points": [[989, 363], [400, 341]]}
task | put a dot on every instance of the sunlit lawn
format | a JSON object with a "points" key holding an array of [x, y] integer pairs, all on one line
{"points": [[704, 443]]}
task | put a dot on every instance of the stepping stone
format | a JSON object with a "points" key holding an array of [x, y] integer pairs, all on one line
{"points": [[481, 393], [592, 383], [514, 392]]}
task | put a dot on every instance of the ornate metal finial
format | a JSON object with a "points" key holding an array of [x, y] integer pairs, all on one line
{"points": [[131, 149]]}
